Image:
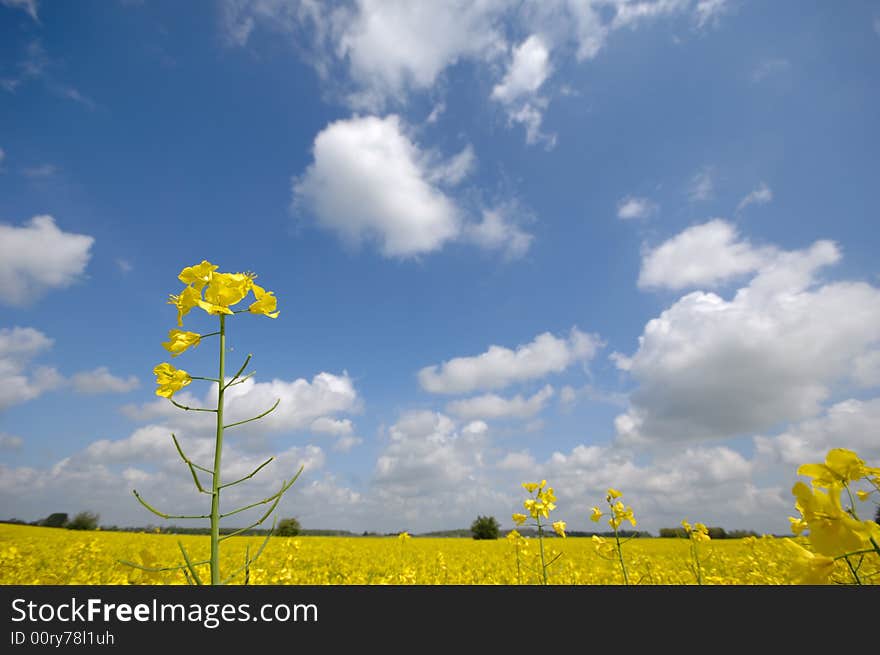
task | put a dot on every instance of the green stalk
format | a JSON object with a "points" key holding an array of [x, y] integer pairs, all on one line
{"points": [[218, 452], [541, 544], [620, 556]]}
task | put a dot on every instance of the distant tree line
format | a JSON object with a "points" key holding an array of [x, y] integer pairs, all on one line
{"points": [[82, 521], [714, 533]]}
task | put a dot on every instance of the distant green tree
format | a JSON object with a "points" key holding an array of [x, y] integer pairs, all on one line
{"points": [[485, 527], [56, 520], [289, 527], [877, 515], [84, 521]]}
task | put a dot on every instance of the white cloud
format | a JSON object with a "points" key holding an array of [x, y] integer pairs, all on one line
{"points": [[302, 404], [368, 181], [528, 70], [428, 456], [702, 185], [702, 255], [632, 207], [436, 112], [375, 53], [567, 395], [393, 46], [101, 380], [2, 157], [18, 346], [28, 6], [124, 265], [517, 461], [346, 443], [77, 96], [10, 442], [770, 68], [530, 115], [100, 478], [710, 368], [499, 367], [38, 257], [708, 12], [333, 427], [848, 424], [41, 171], [760, 196], [492, 406], [497, 232], [343, 429], [628, 13], [453, 171]]}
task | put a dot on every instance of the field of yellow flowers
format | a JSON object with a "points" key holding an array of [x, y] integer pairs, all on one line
{"points": [[52, 556]]}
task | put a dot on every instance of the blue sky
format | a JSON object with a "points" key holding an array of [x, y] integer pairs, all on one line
{"points": [[611, 243]]}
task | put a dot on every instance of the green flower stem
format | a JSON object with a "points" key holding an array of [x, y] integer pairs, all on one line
{"points": [[232, 425], [541, 544], [620, 557], [197, 377], [249, 475], [243, 366], [190, 409], [218, 452]]}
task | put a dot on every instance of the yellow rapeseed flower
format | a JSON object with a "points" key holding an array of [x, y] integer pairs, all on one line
{"points": [[811, 568], [519, 519], [841, 466], [832, 530], [266, 302], [613, 493], [188, 298], [559, 527], [596, 515], [198, 275], [180, 340], [170, 379], [227, 289], [404, 536]]}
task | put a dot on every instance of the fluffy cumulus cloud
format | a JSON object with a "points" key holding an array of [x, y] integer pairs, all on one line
{"points": [[702, 255], [101, 476], [848, 424], [432, 473], [101, 380], [385, 50], [37, 257], [497, 231], [500, 367], [711, 368], [21, 382], [302, 405], [709, 12], [714, 485], [632, 207], [370, 181], [528, 69], [492, 406]]}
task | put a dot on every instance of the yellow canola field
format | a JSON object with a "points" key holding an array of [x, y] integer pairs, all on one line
{"points": [[53, 556]]}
